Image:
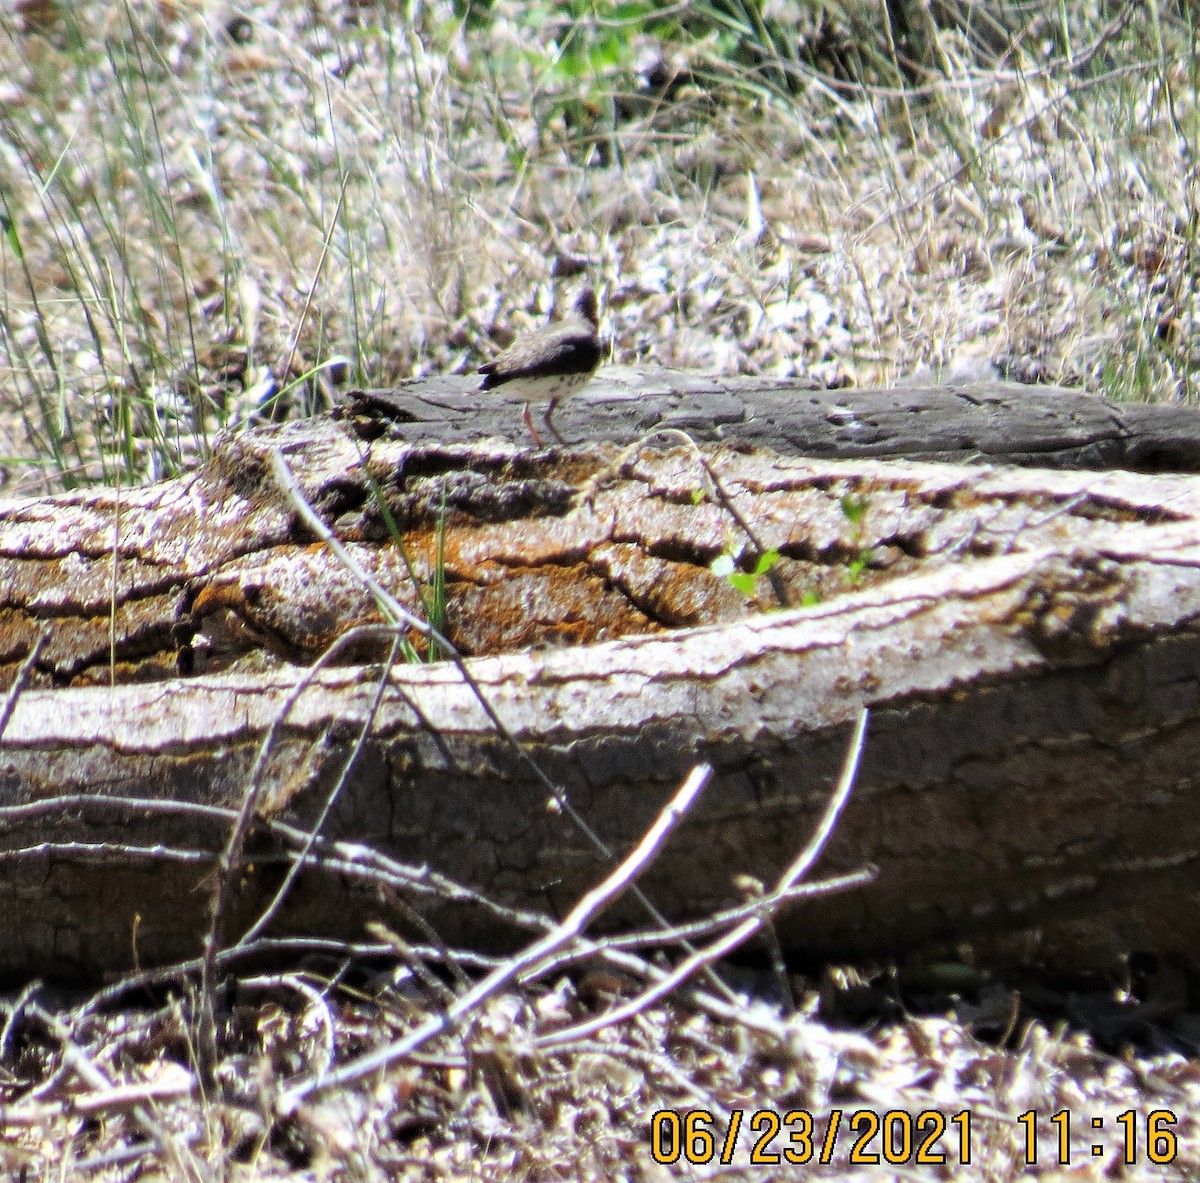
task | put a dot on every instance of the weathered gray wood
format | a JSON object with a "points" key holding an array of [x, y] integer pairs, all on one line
{"points": [[1025, 640], [1043, 426]]}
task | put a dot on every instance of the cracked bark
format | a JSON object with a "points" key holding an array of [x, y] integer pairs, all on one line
{"points": [[1024, 638]]}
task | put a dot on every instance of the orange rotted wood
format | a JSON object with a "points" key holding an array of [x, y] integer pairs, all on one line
{"points": [[1025, 640]]}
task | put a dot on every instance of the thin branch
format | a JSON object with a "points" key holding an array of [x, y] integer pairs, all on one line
{"points": [[87, 1071], [24, 673], [735, 937], [718, 921], [391, 607], [231, 856], [291, 949], [297, 864], [98, 1103], [353, 860], [581, 915], [116, 853]]}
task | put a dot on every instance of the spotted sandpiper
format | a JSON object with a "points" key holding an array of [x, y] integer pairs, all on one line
{"points": [[548, 365]]}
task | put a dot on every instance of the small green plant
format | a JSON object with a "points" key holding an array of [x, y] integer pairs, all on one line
{"points": [[859, 564], [725, 565], [431, 593], [854, 506]]}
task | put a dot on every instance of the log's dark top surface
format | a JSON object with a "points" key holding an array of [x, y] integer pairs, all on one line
{"points": [[1001, 422]]}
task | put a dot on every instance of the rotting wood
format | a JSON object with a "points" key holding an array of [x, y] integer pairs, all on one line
{"points": [[1002, 422], [1024, 639], [211, 569]]}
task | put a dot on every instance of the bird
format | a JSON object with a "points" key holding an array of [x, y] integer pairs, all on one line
{"points": [[551, 363]]}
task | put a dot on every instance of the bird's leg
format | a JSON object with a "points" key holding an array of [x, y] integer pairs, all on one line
{"points": [[533, 431], [550, 422]]}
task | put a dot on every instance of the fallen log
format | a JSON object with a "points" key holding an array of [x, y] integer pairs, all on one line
{"points": [[1040, 426], [1024, 640]]}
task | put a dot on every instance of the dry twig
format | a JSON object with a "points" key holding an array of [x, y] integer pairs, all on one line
{"points": [[737, 936], [581, 915]]}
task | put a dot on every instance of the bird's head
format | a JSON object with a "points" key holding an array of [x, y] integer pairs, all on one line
{"points": [[585, 306]]}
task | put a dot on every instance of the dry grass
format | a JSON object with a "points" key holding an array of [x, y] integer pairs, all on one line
{"points": [[205, 212], [492, 1104], [211, 217]]}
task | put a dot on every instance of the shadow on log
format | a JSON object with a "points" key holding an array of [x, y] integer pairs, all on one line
{"points": [[1024, 640]]}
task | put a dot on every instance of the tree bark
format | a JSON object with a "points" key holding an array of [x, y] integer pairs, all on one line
{"points": [[1040, 426], [1024, 640]]}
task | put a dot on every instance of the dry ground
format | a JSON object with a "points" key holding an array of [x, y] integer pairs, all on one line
{"points": [[212, 211]]}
